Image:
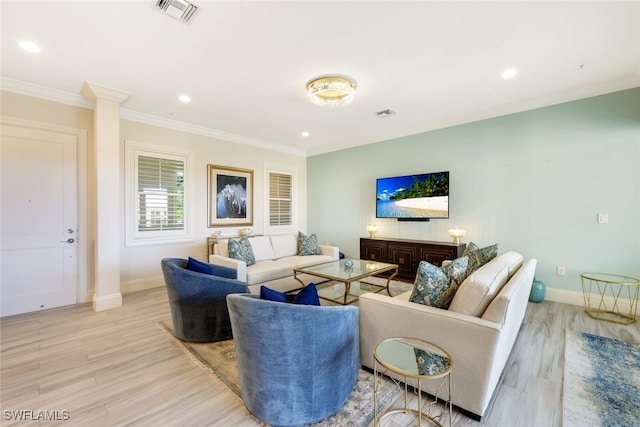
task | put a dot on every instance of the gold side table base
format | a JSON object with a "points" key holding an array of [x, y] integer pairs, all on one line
{"points": [[605, 293]]}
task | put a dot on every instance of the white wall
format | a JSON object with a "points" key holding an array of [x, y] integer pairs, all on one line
{"points": [[140, 266]]}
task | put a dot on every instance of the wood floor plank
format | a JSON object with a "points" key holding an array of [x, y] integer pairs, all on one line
{"points": [[119, 368]]}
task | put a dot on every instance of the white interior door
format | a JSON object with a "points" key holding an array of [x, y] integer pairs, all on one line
{"points": [[39, 220]]}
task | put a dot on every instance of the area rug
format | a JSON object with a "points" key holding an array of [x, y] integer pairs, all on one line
{"points": [[219, 359], [601, 381]]}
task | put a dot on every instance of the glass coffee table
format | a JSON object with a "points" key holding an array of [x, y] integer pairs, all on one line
{"points": [[343, 279]]}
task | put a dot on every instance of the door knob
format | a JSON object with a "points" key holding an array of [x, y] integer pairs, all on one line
{"points": [[69, 240]]}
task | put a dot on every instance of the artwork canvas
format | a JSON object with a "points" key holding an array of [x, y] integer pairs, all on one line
{"points": [[230, 196]]}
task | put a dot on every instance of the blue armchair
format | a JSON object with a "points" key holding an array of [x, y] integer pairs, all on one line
{"points": [[198, 301], [297, 363]]}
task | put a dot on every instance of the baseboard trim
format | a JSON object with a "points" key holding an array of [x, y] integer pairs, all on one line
{"points": [[107, 302], [577, 298], [141, 284]]}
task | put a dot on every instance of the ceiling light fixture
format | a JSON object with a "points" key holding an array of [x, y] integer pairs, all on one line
{"points": [[29, 46], [305, 134], [184, 98], [331, 91]]}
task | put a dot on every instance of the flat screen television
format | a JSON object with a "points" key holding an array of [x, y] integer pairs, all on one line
{"points": [[413, 197]]}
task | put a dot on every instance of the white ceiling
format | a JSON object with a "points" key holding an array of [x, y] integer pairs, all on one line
{"points": [[245, 64]]}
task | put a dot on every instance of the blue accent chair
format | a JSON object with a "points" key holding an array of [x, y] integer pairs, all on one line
{"points": [[198, 301], [297, 363]]}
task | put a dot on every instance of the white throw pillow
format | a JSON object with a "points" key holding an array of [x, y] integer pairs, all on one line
{"points": [[262, 249]]}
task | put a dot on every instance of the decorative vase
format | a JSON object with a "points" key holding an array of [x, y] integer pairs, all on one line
{"points": [[538, 291], [348, 263]]}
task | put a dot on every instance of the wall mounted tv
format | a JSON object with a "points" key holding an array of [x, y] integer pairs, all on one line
{"points": [[413, 197]]}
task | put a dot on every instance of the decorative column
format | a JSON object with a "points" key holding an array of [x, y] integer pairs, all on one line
{"points": [[107, 212]]}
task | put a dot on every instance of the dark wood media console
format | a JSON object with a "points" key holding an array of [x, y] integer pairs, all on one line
{"points": [[408, 253]]}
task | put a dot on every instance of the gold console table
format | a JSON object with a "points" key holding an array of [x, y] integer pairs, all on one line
{"points": [[602, 294]]}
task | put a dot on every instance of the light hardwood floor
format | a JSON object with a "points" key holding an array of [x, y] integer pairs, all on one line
{"points": [[118, 367]]}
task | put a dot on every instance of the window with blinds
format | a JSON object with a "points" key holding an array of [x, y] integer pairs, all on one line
{"points": [[160, 194], [280, 199], [159, 189]]}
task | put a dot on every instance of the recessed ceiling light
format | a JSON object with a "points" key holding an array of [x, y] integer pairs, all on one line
{"points": [[185, 98], [509, 73], [29, 46], [305, 134]]}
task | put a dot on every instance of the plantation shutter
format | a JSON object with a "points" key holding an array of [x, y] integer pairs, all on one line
{"points": [[160, 201], [280, 203]]}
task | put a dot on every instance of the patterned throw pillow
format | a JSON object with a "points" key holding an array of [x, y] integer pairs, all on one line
{"points": [[479, 257], [241, 250], [308, 245], [436, 286]]}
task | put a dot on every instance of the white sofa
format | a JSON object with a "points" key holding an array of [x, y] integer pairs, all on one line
{"points": [[276, 256], [478, 330]]}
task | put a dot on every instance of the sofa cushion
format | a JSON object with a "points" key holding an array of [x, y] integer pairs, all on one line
{"points": [[199, 266], [284, 245], [513, 260], [307, 296], [222, 248], [267, 270], [436, 286], [241, 250], [479, 257], [478, 290], [300, 261], [261, 247], [308, 245]]}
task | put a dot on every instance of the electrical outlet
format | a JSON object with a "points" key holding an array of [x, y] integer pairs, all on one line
{"points": [[603, 218], [560, 270]]}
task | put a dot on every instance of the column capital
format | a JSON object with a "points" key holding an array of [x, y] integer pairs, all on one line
{"points": [[93, 91]]}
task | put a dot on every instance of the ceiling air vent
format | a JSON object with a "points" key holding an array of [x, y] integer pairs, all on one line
{"points": [[385, 113], [179, 9]]}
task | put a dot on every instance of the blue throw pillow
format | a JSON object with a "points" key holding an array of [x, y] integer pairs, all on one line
{"points": [[271, 295], [242, 250], [436, 286], [479, 257], [308, 245], [199, 266], [307, 296]]}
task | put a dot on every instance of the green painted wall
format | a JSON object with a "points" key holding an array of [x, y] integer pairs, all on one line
{"points": [[533, 182]]}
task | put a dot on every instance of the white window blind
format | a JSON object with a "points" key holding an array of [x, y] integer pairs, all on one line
{"points": [[159, 194], [160, 202], [280, 199]]}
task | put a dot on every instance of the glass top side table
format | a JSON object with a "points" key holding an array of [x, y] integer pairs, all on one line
{"points": [[606, 297], [413, 359]]}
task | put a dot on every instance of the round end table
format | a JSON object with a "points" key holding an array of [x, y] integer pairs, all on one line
{"points": [[416, 359]]}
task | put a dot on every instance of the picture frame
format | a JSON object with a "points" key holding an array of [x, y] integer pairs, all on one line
{"points": [[230, 196]]}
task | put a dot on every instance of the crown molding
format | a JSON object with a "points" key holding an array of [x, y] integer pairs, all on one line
{"points": [[77, 100]]}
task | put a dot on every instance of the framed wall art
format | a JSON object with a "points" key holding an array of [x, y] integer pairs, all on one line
{"points": [[230, 196]]}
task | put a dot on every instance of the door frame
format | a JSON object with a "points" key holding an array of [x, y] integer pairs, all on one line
{"points": [[82, 288]]}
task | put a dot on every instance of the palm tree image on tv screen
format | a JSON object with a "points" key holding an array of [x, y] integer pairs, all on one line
{"points": [[413, 196]]}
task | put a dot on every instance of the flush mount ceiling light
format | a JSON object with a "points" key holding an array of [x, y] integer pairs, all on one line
{"points": [[331, 91], [181, 10]]}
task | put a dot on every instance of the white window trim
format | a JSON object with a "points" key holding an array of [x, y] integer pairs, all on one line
{"points": [[281, 229], [133, 149]]}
